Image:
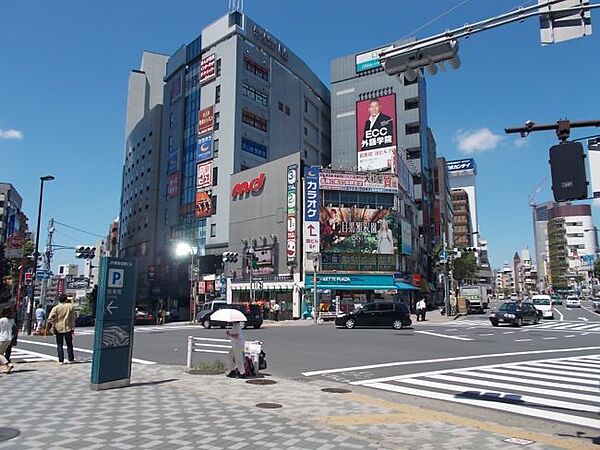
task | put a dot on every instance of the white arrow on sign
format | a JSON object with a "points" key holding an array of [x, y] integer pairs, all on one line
{"points": [[585, 319], [110, 307]]}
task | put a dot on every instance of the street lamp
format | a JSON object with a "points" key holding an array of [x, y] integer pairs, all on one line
{"points": [[184, 249], [35, 253]]}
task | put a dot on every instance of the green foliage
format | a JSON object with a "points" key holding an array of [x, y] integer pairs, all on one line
{"points": [[597, 268], [465, 268], [208, 368]]}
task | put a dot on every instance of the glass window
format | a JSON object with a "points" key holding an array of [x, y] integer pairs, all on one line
{"points": [[213, 230], [287, 110], [280, 106], [412, 128], [215, 175], [254, 121], [218, 94], [213, 203], [215, 147], [259, 97], [216, 123], [218, 68]]}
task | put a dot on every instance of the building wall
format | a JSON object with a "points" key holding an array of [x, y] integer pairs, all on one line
{"points": [[10, 208], [462, 228], [541, 214]]}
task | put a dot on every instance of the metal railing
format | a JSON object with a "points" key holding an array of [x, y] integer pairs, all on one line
{"points": [[206, 345]]}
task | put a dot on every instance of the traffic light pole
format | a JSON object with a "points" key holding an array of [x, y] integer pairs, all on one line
{"points": [[562, 128]]}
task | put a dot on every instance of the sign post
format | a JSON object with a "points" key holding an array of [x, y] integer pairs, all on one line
{"points": [[115, 312]]}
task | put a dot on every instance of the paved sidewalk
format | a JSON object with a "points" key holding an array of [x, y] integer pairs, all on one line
{"points": [[53, 408]]}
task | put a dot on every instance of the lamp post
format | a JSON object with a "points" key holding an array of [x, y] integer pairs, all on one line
{"points": [[315, 298], [35, 253], [184, 249], [250, 263]]}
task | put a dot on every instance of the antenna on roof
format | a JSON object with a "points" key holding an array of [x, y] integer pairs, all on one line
{"points": [[236, 5]]}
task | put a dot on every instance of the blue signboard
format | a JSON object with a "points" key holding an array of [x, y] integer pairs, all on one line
{"points": [[461, 164], [115, 313], [311, 200], [172, 163], [254, 148], [204, 148]]}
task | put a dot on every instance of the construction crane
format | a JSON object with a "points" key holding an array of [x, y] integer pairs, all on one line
{"points": [[536, 191]]}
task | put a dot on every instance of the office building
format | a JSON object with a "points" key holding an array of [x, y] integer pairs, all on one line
{"points": [[139, 193], [462, 226], [443, 213], [10, 210], [541, 215], [67, 270], [463, 173]]}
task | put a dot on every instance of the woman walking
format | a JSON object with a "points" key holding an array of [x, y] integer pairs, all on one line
{"points": [[6, 330]]}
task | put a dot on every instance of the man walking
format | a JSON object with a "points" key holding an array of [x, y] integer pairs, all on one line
{"points": [[40, 319], [276, 311], [421, 309], [62, 318]]}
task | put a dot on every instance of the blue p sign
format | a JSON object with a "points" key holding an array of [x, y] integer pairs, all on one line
{"points": [[115, 278]]}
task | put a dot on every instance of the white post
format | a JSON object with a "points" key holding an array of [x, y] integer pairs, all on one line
{"points": [[190, 350]]}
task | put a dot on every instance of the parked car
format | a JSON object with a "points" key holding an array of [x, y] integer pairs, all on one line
{"points": [[377, 314], [207, 309], [556, 299], [596, 304], [252, 312], [85, 321], [573, 302], [543, 303], [144, 318], [516, 314]]}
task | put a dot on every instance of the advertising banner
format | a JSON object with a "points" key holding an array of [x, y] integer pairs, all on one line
{"points": [[405, 244], [369, 60], [358, 230], [203, 204], [357, 261], [204, 175], [173, 185], [206, 118], [204, 148], [376, 122], [331, 180], [378, 159], [311, 209], [207, 69], [292, 181], [254, 148], [461, 165], [173, 161]]}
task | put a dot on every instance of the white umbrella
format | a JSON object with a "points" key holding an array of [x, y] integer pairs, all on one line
{"points": [[228, 315]]}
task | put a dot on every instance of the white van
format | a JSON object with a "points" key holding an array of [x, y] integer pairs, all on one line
{"points": [[543, 303]]}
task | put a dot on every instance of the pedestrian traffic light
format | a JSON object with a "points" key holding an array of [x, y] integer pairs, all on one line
{"points": [[230, 257], [567, 165], [29, 278], [85, 252]]}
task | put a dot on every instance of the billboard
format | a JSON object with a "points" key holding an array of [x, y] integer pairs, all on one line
{"points": [[292, 182], [173, 185], [203, 204], [311, 209], [462, 165], [254, 148], [378, 159], [173, 161], [405, 232], [331, 180], [204, 148], [207, 69], [358, 230], [369, 60], [204, 175], [376, 122], [206, 118]]}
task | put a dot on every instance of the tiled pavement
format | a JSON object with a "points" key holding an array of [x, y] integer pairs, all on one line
{"points": [[165, 408]]}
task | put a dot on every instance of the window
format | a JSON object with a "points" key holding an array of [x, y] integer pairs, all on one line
{"points": [[218, 94], [216, 123], [408, 83], [215, 147], [412, 128], [256, 69], [213, 204], [215, 175], [411, 103], [259, 97], [287, 110], [218, 68], [280, 106], [305, 131], [254, 121], [305, 106], [213, 230]]}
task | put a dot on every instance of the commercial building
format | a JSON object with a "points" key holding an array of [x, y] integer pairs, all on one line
{"points": [[462, 226], [541, 215], [67, 270], [572, 243], [443, 212], [112, 239], [10, 209], [377, 119], [463, 173], [141, 168]]}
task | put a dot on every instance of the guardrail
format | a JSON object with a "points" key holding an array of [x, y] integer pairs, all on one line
{"points": [[206, 345]]}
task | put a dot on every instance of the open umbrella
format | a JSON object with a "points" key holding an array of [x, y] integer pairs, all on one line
{"points": [[228, 315]]}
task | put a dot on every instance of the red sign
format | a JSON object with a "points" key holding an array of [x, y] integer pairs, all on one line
{"points": [[204, 175], [28, 278], [203, 204], [245, 187], [416, 279], [60, 288], [16, 241], [206, 118], [207, 68], [173, 186]]}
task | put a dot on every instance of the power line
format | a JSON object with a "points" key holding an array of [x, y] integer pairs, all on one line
{"points": [[441, 16], [79, 229]]}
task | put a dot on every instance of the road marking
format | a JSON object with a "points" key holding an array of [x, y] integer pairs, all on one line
{"points": [[25, 356], [544, 369], [486, 334], [436, 360], [570, 336], [83, 350], [564, 366], [585, 319], [523, 340], [559, 313], [526, 411], [509, 332], [494, 376], [549, 338], [458, 338], [520, 373]]}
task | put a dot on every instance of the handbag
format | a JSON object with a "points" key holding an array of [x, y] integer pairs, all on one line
{"points": [[262, 361]]}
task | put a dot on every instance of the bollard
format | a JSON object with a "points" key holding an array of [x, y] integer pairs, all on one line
{"points": [[189, 351]]}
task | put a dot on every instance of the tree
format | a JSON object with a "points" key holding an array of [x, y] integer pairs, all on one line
{"points": [[465, 268], [597, 268]]}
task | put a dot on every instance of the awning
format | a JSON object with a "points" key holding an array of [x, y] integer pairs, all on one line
{"points": [[405, 286], [354, 287]]}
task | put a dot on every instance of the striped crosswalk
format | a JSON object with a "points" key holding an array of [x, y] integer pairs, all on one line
{"points": [[581, 326], [562, 389], [19, 355], [146, 328]]}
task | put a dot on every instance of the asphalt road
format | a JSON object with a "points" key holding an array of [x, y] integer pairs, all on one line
{"points": [[547, 371]]}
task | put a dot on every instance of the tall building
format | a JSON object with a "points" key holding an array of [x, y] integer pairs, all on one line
{"points": [[462, 227], [541, 215], [112, 239], [141, 166], [443, 213], [571, 239], [235, 98], [10, 210], [463, 175], [377, 118], [516, 272]]}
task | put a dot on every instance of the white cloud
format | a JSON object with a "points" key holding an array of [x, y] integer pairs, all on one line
{"points": [[596, 202], [11, 134], [475, 141], [521, 142]]}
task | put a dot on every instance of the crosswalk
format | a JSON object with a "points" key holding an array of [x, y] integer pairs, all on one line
{"points": [[562, 389], [549, 325], [146, 328], [19, 355]]}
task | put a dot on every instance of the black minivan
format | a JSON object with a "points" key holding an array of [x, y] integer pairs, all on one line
{"points": [[377, 314]]}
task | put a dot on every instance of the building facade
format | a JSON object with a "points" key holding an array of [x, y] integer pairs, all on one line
{"points": [[541, 215], [462, 227], [463, 174], [443, 213], [10, 210]]}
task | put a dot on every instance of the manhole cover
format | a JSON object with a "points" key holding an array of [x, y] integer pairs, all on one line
{"points": [[8, 433], [336, 390], [261, 382], [303, 379], [268, 405], [518, 441]]}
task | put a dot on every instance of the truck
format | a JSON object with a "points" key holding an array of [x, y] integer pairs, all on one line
{"points": [[475, 298]]}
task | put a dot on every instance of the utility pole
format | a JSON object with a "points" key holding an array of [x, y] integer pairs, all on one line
{"points": [[47, 263]]}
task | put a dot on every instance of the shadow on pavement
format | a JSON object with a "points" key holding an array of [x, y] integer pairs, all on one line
{"points": [[582, 435], [147, 383]]}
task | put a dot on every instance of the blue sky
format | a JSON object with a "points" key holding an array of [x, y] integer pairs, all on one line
{"points": [[63, 80]]}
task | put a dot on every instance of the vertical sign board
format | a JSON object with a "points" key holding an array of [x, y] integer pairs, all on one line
{"points": [[115, 310], [311, 209], [292, 181]]}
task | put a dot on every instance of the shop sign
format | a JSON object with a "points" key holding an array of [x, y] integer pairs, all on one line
{"points": [[269, 41], [311, 210], [207, 68], [245, 188], [369, 60], [330, 180], [173, 185], [203, 204], [204, 175], [292, 181], [204, 148], [206, 119]]}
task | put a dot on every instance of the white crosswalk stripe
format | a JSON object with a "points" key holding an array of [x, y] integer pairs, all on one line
{"points": [[145, 328], [26, 356], [549, 326], [561, 389]]}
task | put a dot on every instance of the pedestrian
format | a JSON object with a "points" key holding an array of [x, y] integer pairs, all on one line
{"points": [[236, 354], [276, 311], [15, 332], [266, 310], [6, 336], [62, 318], [421, 309], [40, 318]]}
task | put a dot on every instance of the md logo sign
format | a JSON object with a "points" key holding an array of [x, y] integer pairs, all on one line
{"points": [[116, 278]]}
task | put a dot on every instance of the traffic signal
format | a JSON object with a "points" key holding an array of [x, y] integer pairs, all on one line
{"points": [[567, 165], [230, 257], [28, 278], [470, 249], [85, 252]]}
